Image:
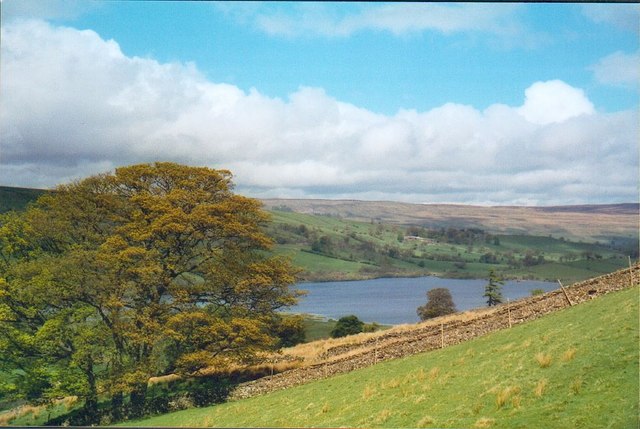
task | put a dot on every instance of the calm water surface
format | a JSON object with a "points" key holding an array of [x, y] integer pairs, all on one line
{"points": [[394, 301]]}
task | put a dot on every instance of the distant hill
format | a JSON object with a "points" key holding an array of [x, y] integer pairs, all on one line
{"points": [[12, 198], [627, 208], [577, 222], [581, 222]]}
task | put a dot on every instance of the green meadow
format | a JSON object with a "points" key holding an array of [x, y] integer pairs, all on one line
{"points": [[330, 248], [577, 368]]}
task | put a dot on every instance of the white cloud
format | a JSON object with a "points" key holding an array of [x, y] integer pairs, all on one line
{"points": [[618, 69], [72, 104], [618, 15], [414, 17], [49, 9], [400, 18], [554, 101]]}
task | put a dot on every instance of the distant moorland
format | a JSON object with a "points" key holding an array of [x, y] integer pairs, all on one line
{"points": [[579, 222]]}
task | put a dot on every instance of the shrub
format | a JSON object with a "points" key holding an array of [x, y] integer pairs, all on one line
{"points": [[209, 390], [291, 331], [347, 325], [371, 327]]}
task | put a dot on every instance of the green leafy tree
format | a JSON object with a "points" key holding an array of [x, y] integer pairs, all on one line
{"points": [[493, 289], [291, 331], [120, 277], [439, 303], [347, 325]]}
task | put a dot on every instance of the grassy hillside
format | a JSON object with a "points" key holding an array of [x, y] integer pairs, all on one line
{"points": [[330, 248], [574, 369]]}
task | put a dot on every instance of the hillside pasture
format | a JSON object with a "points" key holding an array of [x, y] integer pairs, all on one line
{"points": [[575, 368]]}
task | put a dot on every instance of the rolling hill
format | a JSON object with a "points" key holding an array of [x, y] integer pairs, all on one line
{"points": [[348, 240], [590, 222]]}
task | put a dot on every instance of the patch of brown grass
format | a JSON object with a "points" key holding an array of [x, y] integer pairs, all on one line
{"points": [[541, 387], [508, 393], [425, 422], [35, 410], [391, 384], [315, 352], [368, 392], [484, 422], [544, 359], [576, 385], [569, 354], [434, 372], [383, 416], [163, 379]]}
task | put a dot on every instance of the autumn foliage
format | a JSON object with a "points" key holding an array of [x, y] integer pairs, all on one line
{"points": [[153, 269], [439, 303]]}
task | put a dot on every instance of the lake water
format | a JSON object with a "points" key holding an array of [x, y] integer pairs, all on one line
{"points": [[395, 300]]}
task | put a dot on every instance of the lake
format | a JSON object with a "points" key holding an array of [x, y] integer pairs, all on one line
{"points": [[393, 301]]}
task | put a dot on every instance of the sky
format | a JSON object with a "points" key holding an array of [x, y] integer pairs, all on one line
{"points": [[467, 103]]}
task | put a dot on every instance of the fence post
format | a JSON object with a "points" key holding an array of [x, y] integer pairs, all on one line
{"points": [[442, 335], [509, 310], [565, 293], [630, 272], [375, 352]]}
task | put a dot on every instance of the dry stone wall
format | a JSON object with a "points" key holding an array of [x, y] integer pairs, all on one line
{"points": [[433, 335]]}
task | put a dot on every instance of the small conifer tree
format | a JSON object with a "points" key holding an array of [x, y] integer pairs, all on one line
{"points": [[493, 289]]}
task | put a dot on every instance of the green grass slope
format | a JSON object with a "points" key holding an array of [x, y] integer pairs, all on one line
{"points": [[577, 368]]}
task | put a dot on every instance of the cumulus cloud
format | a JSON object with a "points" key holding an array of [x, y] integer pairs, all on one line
{"points": [[618, 69], [554, 101], [73, 105]]}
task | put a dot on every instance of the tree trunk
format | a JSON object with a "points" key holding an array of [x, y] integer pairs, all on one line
{"points": [[116, 407], [137, 400], [90, 408]]}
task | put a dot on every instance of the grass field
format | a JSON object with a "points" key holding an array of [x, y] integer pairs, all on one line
{"points": [[574, 369]]}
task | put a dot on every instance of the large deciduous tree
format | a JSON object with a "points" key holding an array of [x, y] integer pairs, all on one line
{"points": [[123, 276], [439, 303]]}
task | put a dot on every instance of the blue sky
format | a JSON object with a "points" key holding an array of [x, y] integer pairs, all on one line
{"points": [[481, 103]]}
